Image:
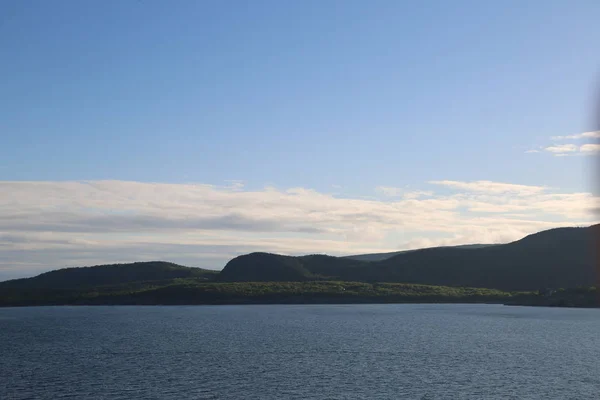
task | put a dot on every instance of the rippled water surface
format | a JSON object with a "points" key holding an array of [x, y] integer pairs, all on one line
{"points": [[300, 352]]}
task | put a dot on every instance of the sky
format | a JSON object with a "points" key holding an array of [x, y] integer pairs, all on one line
{"points": [[196, 131]]}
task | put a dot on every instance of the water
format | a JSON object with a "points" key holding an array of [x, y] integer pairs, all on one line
{"points": [[300, 352]]}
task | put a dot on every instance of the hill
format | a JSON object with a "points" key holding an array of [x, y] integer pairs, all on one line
{"points": [[265, 267], [105, 275], [385, 256], [512, 273], [259, 267], [555, 258], [79, 285]]}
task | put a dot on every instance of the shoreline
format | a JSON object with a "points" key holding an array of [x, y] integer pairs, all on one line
{"points": [[263, 303]]}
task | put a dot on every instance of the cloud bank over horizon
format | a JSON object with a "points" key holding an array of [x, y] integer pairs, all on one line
{"points": [[47, 225]]}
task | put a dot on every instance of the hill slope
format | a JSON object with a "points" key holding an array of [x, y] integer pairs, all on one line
{"points": [[385, 256], [105, 275], [555, 258], [264, 267]]}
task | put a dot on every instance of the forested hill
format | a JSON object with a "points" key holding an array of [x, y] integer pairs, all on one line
{"points": [[557, 258], [105, 275]]}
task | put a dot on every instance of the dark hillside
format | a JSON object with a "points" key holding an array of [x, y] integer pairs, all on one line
{"points": [[264, 267], [114, 274], [555, 258]]}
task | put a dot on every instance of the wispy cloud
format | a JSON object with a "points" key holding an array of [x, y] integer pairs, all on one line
{"points": [[571, 149], [45, 225], [492, 187], [590, 148], [390, 191], [562, 148], [584, 135], [565, 150]]}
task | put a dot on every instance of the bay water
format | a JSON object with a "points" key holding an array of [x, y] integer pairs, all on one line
{"points": [[393, 351]]}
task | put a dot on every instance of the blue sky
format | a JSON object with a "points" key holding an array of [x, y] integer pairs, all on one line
{"points": [[347, 99]]}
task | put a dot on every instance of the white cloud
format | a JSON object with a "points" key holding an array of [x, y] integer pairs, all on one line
{"points": [[562, 148], [570, 149], [235, 185], [390, 191], [584, 135], [45, 225], [565, 150], [590, 148], [416, 194], [491, 187]]}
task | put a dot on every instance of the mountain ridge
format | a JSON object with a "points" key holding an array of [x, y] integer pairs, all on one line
{"points": [[386, 255], [555, 258], [560, 257]]}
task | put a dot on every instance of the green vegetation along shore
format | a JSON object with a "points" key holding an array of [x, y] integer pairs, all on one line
{"points": [[193, 291]]}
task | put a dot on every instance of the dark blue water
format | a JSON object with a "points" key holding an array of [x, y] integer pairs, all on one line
{"points": [[300, 352]]}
